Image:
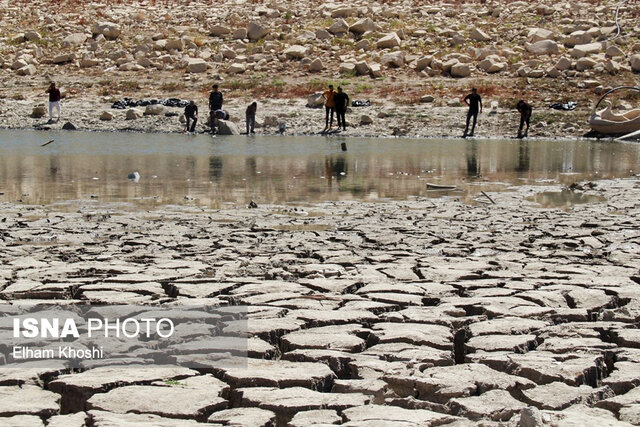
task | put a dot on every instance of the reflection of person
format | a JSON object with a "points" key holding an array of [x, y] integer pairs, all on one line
{"points": [[215, 103], [251, 117], [329, 106], [341, 101], [474, 101], [525, 117], [54, 100], [191, 114]]}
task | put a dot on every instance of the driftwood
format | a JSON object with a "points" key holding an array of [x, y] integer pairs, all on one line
{"points": [[48, 142]]}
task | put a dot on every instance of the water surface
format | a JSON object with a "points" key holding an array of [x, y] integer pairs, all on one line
{"points": [[214, 172]]}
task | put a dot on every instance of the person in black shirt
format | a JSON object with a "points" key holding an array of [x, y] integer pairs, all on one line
{"points": [[215, 104], [474, 101], [54, 100], [250, 115], [191, 114], [341, 101], [525, 117]]}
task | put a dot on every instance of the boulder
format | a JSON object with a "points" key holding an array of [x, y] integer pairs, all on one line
{"points": [[315, 100], [340, 26], [227, 127], [240, 33], [236, 68], [634, 61], [423, 62], [365, 120], [612, 66], [197, 65], [38, 111], [389, 41], [362, 68], [106, 116], [427, 99], [479, 35], [109, 30], [537, 34], [344, 12], [376, 70], [69, 126], [347, 68], [89, 62], [563, 64], [543, 47], [296, 51], [585, 64], [316, 65], [613, 51], [133, 114], [460, 70], [154, 110], [362, 26], [27, 70], [582, 50], [64, 58], [577, 37], [75, 39], [219, 30], [393, 59], [322, 34], [32, 36], [552, 72], [256, 31], [492, 64], [363, 44]]}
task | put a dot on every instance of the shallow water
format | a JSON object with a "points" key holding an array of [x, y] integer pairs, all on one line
{"points": [[213, 172]]}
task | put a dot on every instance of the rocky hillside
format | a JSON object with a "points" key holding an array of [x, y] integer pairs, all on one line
{"points": [[398, 51]]}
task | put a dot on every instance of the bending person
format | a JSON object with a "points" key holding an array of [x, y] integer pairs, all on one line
{"points": [[525, 117]]}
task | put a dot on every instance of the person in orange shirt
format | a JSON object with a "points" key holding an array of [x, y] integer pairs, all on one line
{"points": [[329, 106]]}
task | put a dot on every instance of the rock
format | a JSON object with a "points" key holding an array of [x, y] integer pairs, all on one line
{"points": [[634, 61], [577, 37], [479, 35], [38, 111], [362, 68], [365, 120], [315, 100], [316, 65], [63, 58], [109, 30], [553, 72], [280, 374], [423, 62], [363, 44], [538, 34], [89, 62], [154, 110], [543, 47], [347, 68], [362, 26], [393, 59], [28, 400], [69, 126], [322, 34], [613, 51], [563, 64], [389, 41], [557, 396], [106, 116], [226, 127], [197, 65], [256, 31], [134, 113], [32, 36], [219, 30], [75, 39], [491, 65], [239, 34], [27, 70], [376, 70], [344, 12], [340, 26], [460, 70], [250, 417], [174, 44], [318, 416], [585, 64], [582, 50], [236, 68], [426, 99], [296, 51]]}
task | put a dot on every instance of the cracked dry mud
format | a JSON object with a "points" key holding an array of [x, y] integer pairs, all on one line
{"points": [[408, 313]]}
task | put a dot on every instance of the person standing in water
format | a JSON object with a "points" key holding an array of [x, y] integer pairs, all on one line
{"points": [[525, 117], [54, 100], [251, 117], [215, 104], [341, 101], [329, 106], [474, 101], [191, 114]]}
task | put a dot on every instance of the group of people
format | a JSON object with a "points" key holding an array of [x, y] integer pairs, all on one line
{"points": [[474, 102]]}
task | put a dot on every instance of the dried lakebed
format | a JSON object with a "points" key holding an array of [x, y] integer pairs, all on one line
{"points": [[412, 313]]}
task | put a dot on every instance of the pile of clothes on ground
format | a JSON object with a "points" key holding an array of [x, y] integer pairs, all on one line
{"points": [[128, 103]]}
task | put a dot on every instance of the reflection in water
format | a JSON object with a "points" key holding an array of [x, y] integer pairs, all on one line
{"points": [[211, 172], [563, 199]]}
